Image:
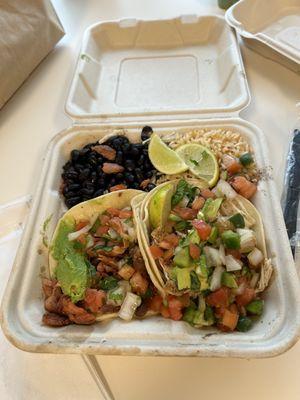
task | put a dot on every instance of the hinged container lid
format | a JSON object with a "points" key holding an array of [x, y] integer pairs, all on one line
{"points": [[180, 68]]}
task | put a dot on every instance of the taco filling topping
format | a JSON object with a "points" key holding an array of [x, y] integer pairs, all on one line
{"points": [[100, 271], [208, 253]]}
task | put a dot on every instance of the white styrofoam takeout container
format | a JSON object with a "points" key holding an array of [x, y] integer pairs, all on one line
{"points": [[177, 74], [272, 28]]}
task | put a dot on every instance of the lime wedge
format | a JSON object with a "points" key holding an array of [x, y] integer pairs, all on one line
{"points": [[165, 159], [201, 162], [160, 206]]}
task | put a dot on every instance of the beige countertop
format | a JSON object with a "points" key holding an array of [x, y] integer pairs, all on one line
{"points": [[27, 123]]}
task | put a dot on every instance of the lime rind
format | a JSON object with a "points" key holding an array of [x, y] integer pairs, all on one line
{"points": [[164, 159], [200, 161]]}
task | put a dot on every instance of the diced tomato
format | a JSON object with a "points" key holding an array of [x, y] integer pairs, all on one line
{"points": [[244, 187], [246, 297], [202, 228], [207, 194], [124, 214], [198, 203], [138, 283], [185, 213], [194, 251], [115, 212], [172, 238], [219, 297], [230, 319], [232, 165], [102, 230], [156, 251], [156, 303], [165, 312], [117, 187], [168, 254], [185, 300], [219, 312], [94, 299], [235, 253], [80, 225], [175, 307]]}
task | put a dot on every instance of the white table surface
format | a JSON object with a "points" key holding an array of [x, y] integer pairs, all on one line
{"points": [[27, 123]]}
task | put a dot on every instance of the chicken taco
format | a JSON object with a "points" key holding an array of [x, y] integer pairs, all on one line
{"points": [[207, 249], [96, 269]]}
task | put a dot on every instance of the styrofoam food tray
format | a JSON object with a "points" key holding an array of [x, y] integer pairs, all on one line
{"points": [[205, 49], [270, 27]]}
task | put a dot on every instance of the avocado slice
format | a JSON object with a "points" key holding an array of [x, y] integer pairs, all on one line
{"points": [[72, 271], [183, 258], [228, 280], [211, 208], [183, 279]]}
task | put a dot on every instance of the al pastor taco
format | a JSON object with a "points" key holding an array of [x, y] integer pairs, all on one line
{"points": [[96, 270]]}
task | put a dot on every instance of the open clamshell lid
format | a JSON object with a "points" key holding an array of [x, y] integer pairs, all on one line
{"points": [[179, 68]]}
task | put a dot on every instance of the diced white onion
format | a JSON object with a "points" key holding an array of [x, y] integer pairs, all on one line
{"points": [[89, 241], [213, 256], [232, 264], [248, 240], [222, 254], [112, 233], [131, 233], [255, 257], [216, 277], [240, 290], [227, 160], [130, 304], [75, 235], [224, 188], [184, 202], [254, 280]]}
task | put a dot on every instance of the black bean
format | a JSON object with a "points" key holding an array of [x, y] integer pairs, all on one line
{"points": [[70, 194], [86, 150], [67, 166], [100, 183], [129, 165], [126, 148], [88, 185], [139, 174], [129, 177], [79, 167], [148, 165], [86, 197], [87, 191], [150, 186], [70, 175], [134, 151], [74, 186], [146, 132], [90, 145], [92, 160], [148, 174], [112, 182], [119, 158], [141, 160], [119, 176], [75, 154], [73, 201], [135, 185], [98, 192], [84, 174]]}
